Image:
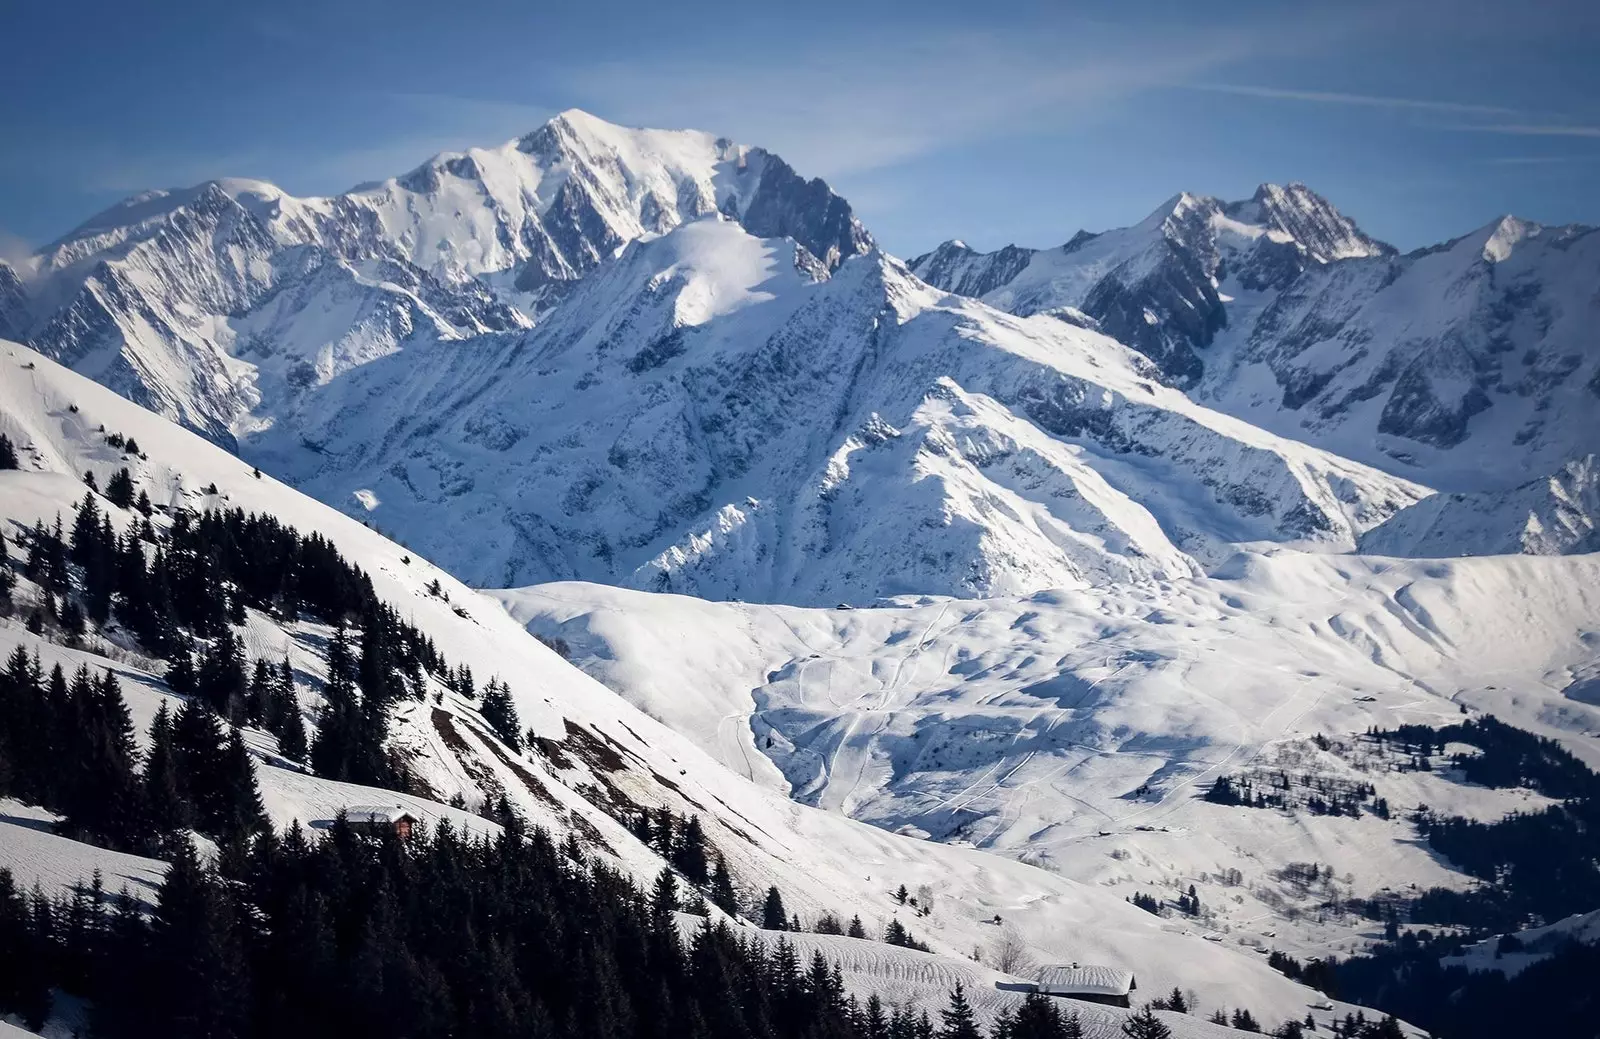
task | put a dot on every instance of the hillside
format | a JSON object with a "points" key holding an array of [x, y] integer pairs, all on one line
{"points": [[821, 861]]}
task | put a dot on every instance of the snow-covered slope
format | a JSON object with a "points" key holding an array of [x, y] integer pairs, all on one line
{"points": [[602, 752], [158, 296], [1079, 729], [1154, 286], [1553, 515], [705, 414], [1462, 366]]}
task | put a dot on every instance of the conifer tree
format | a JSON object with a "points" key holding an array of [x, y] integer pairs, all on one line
{"points": [[119, 489], [195, 949], [8, 453], [241, 798], [1145, 1025], [8, 580], [501, 714], [163, 795], [722, 893], [959, 1022], [773, 916], [1038, 1018], [689, 853], [856, 930]]}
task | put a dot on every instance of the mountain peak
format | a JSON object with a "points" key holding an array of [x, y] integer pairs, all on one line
{"points": [[1308, 218]]}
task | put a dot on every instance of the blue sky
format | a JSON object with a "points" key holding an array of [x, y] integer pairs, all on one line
{"points": [[989, 122]]}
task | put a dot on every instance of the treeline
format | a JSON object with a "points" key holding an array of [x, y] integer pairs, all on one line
{"points": [[1536, 866], [69, 746], [181, 592], [1553, 996], [1319, 795], [439, 935]]}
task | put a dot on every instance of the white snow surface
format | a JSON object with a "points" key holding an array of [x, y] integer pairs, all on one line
{"points": [[702, 414], [821, 860], [1077, 728]]}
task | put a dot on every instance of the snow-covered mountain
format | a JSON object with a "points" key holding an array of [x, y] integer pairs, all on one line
{"points": [[706, 413], [1155, 286], [160, 296], [1553, 515], [1464, 366], [597, 756]]}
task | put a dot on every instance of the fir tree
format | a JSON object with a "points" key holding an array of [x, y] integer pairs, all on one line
{"points": [[1145, 1025], [1245, 1021], [8, 580], [119, 489], [8, 453], [722, 893], [958, 1017], [501, 714], [689, 853], [1038, 1018], [856, 930], [773, 916]]}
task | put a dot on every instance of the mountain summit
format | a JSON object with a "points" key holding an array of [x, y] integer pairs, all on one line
{"points": [[216, 304]]}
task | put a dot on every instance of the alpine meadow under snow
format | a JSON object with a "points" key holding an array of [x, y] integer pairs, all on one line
{"points": [[994, 577]]}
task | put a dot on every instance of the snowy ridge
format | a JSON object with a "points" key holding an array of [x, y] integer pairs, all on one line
{"points": [[1279, 310], [1554, 515], [703, 414], [821, 861], [157, 295]]}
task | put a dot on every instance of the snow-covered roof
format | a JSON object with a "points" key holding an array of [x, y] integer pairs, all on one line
{"points": [[377, 814], [1085, 980]]}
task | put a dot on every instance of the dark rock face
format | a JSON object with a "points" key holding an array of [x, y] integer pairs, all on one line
{"points": [[786, 205], [1169, 315], [1415, 411], [957, 268], [14, 317]]}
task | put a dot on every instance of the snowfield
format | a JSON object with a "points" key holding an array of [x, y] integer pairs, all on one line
{"points": [[1078, 729], [821, 860]]}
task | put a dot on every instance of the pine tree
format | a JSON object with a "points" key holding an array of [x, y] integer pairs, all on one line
{"points": [[501, 714], [1245, 1021], [1176, 1001], [8, 453], [180, 676], [722, 893], [1145, 1025], [958, 1017], [119, 489], [856, 930], [240, 797], [1038, 1018], [168, 811], [8, 580], [773, 916], [196, 952], [143, 505], [895, 933], [664, 896], [291, 727], [689, 853]]}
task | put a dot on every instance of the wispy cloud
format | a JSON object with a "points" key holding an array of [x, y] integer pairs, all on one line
{"points": [[1531, 129], [1330, 97], [867, 104]]}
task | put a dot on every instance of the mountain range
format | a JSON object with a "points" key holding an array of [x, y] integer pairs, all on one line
{"points": [[1021, 549]]}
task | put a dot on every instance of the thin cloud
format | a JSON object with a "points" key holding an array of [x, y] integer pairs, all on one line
{"points": [[874, 104], [1532, 130], [1329, 97]]}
